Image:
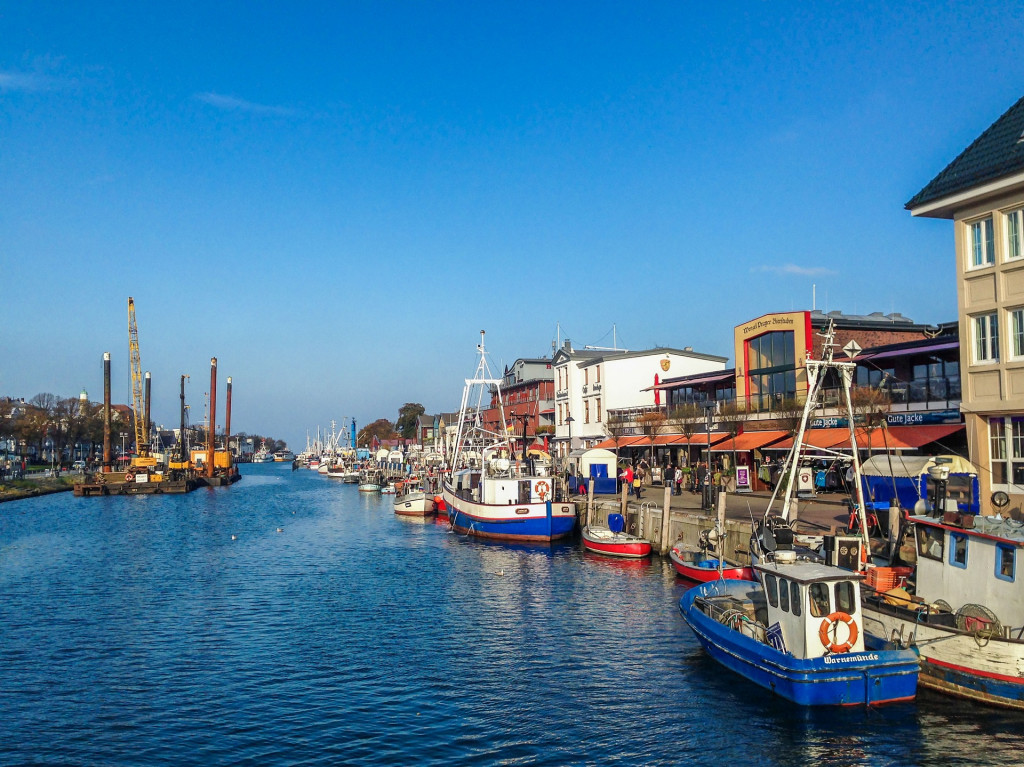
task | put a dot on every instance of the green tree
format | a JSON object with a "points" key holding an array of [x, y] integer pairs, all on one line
{"points": [[407, 415]]}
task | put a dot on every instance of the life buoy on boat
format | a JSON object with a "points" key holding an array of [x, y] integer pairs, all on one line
{"points": [[129, 477], [829, 624], [542, 488]]}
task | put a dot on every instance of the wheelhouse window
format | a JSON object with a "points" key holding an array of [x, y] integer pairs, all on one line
{"points": [[986, 338], [794, 597], [983, 252], [784, 595], [844, 597], [958, 550], [1014, 233], [930, 542], [819, 600], [1006, 562], [771, 586]]}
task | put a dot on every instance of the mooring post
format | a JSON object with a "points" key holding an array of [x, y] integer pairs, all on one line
{"points": [[667, 506], [590, 502]]}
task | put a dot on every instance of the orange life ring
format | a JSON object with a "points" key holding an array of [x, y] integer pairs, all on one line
{"points": [[129, 477], [542, 488], [833, 621]]}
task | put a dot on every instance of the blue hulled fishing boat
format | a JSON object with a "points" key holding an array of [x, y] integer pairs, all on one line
{"points": [[799, 636], [489, 493]]}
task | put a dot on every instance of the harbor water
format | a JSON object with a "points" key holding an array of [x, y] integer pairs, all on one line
{"points": [[290, 619]]}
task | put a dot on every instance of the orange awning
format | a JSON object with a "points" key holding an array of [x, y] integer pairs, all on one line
{"points": [[892, 438], [916, 436], [750, 440]]}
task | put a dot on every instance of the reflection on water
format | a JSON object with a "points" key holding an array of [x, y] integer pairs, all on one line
{"points": [[290, 619]]}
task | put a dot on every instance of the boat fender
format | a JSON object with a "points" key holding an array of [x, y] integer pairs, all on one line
{"points": [[829, 624]]}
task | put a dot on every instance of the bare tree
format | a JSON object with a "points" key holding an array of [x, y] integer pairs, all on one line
{"points": [[685, 419], [788, 413], [731, 417], [617, 428], [870, 408], [651, 423]]}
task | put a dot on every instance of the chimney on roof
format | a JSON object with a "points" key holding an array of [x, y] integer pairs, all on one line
{"points": [[687, 348], [567, 345]]}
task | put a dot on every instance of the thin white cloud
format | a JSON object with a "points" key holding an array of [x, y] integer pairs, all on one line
{"points": [[25, 82], [801, 271], [235, 104]]}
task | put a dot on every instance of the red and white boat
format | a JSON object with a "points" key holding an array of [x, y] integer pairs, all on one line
{"points": [[702, 566], [613, 542]]}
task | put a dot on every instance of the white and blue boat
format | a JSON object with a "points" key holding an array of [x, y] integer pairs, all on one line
{"points": [[798, 634], [489, 493], [966, 617]]}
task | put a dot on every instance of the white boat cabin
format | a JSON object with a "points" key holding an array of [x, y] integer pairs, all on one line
{"points": [[964, 559], [500, 490], [813, 609]]}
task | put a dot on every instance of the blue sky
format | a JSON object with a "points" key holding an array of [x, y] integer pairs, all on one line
{"points": [[334, 198]]}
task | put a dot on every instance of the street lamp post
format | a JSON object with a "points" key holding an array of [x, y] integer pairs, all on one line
{"points": [[709, 415]]}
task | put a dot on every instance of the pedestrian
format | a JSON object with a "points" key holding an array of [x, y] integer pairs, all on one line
{"points": [[581, 485], [678, 479], [638, 480], [627, 477]]}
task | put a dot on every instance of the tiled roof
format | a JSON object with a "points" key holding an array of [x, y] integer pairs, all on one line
{"points": [[995, 153]]}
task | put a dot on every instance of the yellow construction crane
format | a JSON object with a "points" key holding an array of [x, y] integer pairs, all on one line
{"points": [[141, 422]]}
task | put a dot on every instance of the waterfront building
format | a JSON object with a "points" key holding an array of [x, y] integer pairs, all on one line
{"points": [[982, 192], [916, 367], [593, 384]]}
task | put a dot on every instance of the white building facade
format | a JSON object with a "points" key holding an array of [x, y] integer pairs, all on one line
{"points": [[589, 383]]}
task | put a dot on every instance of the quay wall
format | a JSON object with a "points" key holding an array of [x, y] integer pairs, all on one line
{"points": [[685, 525]]}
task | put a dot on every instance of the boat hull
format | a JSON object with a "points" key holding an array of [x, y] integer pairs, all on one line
{"points": [[531, 522], [690, 567], [415, 505], [850, 679], [985, 669], [616, 545]]}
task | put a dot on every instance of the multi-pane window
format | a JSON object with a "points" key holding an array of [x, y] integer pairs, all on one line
{"points": [[586, 412], [1014, 233], [997, 450], [1006, 450], [599, 410], [771, 369], [986, 338], [983, 250], [1017, 332]]}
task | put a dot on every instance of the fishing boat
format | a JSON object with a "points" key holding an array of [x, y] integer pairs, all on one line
{"points": [[389, 489], [613, 541], [414, 501], [489, 493], [797, 633], [263, 455], [369, 481], [966, 615], [796, 628], [702, 566]]}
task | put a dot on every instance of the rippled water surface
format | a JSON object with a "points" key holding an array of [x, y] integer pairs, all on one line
{"points": [[138, 631]]}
